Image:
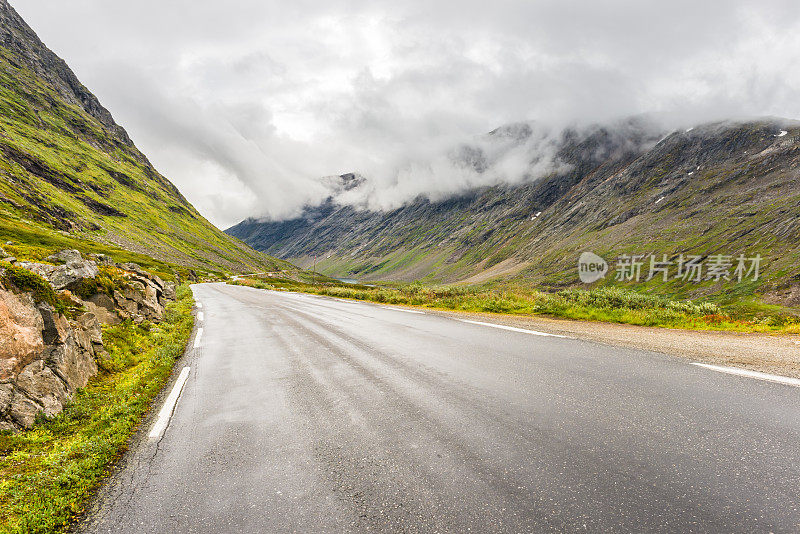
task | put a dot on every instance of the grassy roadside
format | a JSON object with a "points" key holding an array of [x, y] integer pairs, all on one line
{"points": [[613, 305], [48, 474]]}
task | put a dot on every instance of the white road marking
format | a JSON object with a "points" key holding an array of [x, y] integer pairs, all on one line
{"points": [[402, 310], [198, 336], [512, 328], [751, 374], [199, 316], [169, 405]]}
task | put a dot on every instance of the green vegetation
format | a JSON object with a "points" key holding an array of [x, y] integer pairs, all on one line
{"points": [[48, 473], [25, 280], [109, 280], [606, 304]]}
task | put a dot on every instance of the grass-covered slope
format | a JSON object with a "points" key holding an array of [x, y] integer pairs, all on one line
{"points": [[70, 175]]}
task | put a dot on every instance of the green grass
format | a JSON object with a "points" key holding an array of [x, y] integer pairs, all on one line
{"points": [[49, 473], [606, 304]]}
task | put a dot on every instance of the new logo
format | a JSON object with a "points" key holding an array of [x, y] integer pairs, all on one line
{"points": [[591, 267]]}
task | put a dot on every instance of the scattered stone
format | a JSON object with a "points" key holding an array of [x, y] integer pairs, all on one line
{"points": [[102, 259]]}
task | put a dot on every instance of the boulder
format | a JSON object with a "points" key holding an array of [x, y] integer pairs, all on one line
{"points": [[133, 267], [62, 276], [67, 275], [169, 291], [89, 324], [65, 256], [42, 269], [20, 333], [103, 307], [23, 410], [38, 382], [73, 364]]}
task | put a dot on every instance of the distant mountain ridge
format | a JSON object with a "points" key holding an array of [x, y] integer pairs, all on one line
{"points": [[727, 186], [69, 171]]}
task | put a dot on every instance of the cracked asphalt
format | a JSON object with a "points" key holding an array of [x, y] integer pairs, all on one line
{"points": [[308, 414]]}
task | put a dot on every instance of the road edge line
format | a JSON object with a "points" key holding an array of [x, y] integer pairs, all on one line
{"points": [[165, 414], [197, 337], [513, 329], [419, 312], [786, 380]]}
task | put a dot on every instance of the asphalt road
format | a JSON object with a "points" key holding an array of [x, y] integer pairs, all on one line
{"points": [[306, 414]]}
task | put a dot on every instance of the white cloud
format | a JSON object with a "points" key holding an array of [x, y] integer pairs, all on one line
{"points": [[245, 103]]}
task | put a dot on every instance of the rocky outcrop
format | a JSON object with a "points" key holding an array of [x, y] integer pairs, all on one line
{"points": [[142, 298], [45, 357]]}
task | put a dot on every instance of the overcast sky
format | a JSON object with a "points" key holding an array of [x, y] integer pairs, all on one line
{"points": [[245, 104]]}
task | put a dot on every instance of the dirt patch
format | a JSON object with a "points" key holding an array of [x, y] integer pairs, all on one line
{"points": [[504, 268]]}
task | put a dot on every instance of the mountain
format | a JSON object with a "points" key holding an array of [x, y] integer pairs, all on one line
{"points": [[724, 188], [71, 177]]}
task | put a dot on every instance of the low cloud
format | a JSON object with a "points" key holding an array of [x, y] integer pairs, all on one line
{"points": [[245, 104]]}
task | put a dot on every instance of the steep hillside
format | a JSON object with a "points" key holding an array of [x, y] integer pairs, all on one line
{"points": [[71, 177], [726, 188]]}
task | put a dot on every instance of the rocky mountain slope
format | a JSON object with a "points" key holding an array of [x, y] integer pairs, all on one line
{"points": [[69, 175], [725, 188]]}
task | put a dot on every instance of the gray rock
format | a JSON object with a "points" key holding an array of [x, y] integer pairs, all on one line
{"points": [[102, 259], [65, 256], [133, 267], [169, 291], [2, 253], [56, 328], [91, 325], [127, 308], [38, 382], [66, 275], [6, 394], [23, 410], [42, 269], [74, 365], [10, 259], [6, 425], [103, 307]]}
